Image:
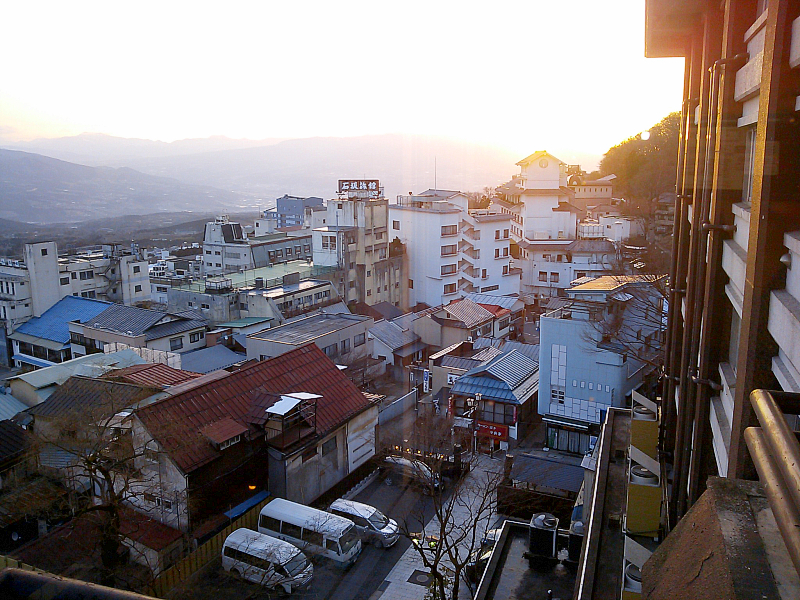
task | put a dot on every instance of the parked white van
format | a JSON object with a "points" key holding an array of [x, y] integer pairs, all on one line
{"points": [[311, 530], [373, 526], [266, 560]]}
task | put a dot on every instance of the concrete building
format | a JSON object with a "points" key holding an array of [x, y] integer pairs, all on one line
{"points": [[591, 192], [226, 249], [453, 250], [342, 337], [30, 286], [290, 210], [594, 351], [355, 242]]}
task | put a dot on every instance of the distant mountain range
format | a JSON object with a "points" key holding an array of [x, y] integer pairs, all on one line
{"points": [[39, 189], [131, 176]]}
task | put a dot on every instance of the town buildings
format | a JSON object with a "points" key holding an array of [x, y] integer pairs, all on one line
{"points": [[595, 349], [452, 250], [355, 242], [30, 286], [289, 211], [227, 249]]}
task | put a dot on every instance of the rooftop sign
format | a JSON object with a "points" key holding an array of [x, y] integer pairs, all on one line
{"points": [[371, 186]]}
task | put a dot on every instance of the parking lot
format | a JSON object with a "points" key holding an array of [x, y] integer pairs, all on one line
{"points": [[401, 502]]}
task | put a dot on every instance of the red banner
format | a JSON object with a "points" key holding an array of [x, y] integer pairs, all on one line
{"points": [[491, 430]]}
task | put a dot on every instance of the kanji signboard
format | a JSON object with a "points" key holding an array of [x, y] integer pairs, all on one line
{"points": [[372, 186], [491, 430]]}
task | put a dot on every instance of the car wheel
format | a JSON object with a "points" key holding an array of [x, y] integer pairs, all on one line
{"points": [[377, 543]]}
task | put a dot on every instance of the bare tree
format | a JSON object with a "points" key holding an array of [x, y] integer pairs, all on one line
{"points": [[632, 322], [462, 512]]}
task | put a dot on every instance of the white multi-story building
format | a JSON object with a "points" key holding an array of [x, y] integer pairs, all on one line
{"points": [[453, 250], [593, 351], [30, 286]]}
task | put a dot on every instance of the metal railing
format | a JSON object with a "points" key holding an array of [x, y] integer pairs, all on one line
{"points": [[776, 455]]}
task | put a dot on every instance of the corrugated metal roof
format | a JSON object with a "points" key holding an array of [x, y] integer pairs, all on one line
{"points": [[213, 358], [309, 328], [392, 335], [468, 312], [53, 324], [14, 442], [124, 319], [173, 328], [223, 430], [83, 397], [10, 406], [548, 473], [501, 301], [175, 422], [511, 377], [245, 322], [91, 364], [152, 375]]}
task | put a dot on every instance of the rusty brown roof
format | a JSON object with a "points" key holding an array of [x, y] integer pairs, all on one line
{"points": [[223, 430], [153, 375], [176, 422]]}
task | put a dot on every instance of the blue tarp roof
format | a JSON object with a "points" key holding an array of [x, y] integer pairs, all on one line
{"points": [[52, 325], [242, 508]]}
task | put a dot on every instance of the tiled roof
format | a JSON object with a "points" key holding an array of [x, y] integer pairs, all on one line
{"points": [[175, 422], [510, 377], [468, 312], [152, 375], [53, 324], [84, 396], [124, 319], [529, 350], [392, 335], [14, 441], [548, 473], [213, 358]]}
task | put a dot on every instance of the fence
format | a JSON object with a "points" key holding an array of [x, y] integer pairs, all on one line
{"points": [[188, 566], [398, 407], [13, 563]]}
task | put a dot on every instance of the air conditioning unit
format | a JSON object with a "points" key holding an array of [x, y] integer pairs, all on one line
{"points": [[635, 556], [576, 533], [542, 535], [632, 582], [644, 424], [644, 497]]}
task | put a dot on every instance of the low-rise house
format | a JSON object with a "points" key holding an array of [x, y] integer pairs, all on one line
{"points": [[293, 424], [35, 386], [138, 328], [461, 320], [395, 346], [449, 364], [44, 341], [496, 401], [213, 358]]}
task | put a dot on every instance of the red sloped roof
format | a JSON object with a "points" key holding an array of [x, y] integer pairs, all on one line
{"points": [[498, 311], [176, 422], [146, 530], [151, 375]]}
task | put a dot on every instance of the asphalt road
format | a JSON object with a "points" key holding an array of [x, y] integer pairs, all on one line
{"points": [[400, 502]]}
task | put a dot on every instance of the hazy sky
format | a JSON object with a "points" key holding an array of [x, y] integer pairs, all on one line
{"points": [[558, 75]]}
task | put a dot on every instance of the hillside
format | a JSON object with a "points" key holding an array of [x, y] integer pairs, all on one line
{"points": [[39, 189]]}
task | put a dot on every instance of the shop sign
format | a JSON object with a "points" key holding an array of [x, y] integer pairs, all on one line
{"points": [[491, 430]]}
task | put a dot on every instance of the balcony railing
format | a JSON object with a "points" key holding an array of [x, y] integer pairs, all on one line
{"points": [[776, 454]]}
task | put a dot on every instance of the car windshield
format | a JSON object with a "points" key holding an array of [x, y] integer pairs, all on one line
{"points": [[296, 564], [378, 520], [348, 539]]}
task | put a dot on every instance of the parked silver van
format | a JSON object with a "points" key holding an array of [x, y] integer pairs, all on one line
{"points": [[373, 526], [266, 560]]}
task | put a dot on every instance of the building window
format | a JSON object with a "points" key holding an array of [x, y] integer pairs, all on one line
{"points": [[344, 346], [329, 446], [204, 305], [369, 292], [497, 252], [64, 280], [217, 253], [449, 230], [44, 251], [289, 251], [230, 442], [396, 225], [505, 234], [505, 269], [450, 288], [196, 336], [176, 343], [208, 251], [449, 250], [137, 269], [749, 164], [360, 339], [553, 277], [557, 394], [84, 275], [543, 276], [505, 252], [89, 294], [330, 351], [497, 234], [484, 274], [449, 269], [137, 289], [411, 284]]}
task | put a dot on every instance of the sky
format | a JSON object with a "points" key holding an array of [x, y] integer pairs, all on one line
{"points": [[565, 75]]}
